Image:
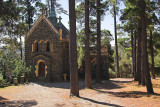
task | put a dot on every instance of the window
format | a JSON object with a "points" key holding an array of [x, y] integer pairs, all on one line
{"points": [[42, 46], [35, 46], [47, 46]]}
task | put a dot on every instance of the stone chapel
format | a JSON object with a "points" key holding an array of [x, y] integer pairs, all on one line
{"points": [[47, 48]]}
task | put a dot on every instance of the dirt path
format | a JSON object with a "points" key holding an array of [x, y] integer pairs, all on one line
{"points": [[115, 92]]}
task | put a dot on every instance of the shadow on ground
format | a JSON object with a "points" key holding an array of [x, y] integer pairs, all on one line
{"points": [[156, 85], [3, 99], [98, 102], [108, 84], [64, 85], [21, 103], [130, 94]]}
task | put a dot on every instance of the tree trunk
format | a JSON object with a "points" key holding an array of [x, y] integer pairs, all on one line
{"points": [[107, 63], [138, 68], [145, 64], [98, 73], [28, 12], [142, 70], [88, 80], [152, 55], [134, 57], [21, 48], [74, 83], [116, 45], [132, 52]]}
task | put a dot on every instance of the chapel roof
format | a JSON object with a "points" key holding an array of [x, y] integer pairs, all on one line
{"points": [[57, 22], [53, 23]]}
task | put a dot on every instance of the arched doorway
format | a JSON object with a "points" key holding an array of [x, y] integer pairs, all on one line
{"points": [[41, 69]]}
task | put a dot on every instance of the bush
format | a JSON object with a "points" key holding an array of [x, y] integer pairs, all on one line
{"points": [[3, 83], [157, 71], [11, 65], [21, 69], [112, 74]]}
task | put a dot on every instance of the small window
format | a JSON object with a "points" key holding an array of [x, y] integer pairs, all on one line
{"points": [[48, 46], [36, 47], [42, 46]]}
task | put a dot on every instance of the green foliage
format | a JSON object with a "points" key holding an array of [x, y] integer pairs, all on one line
{"points": [[81, 55], [20, 68], [80, 47], [125, 59], [112, 73], [1, 80], [157, 71], [11, 65]]}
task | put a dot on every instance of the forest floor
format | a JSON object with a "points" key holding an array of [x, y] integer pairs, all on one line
{"points": [[116, 92]]}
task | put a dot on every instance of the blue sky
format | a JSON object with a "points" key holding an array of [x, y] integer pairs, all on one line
{"points": [[107, 23]]}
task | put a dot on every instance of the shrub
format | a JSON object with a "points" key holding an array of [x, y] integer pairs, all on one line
{"points": [[112, 73], [21, 69], [3, 83]]}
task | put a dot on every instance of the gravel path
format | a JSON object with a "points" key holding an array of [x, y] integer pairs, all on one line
{"points": [[43, 94]]}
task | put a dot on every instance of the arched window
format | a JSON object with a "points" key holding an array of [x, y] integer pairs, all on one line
{"points": [[47, 46], [42, 46], [35, 46]]}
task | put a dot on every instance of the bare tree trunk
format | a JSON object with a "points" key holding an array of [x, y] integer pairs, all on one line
{"points": [[29, 14], [138, 70], [116, 45], [21, 48], [74, 83], [132, 52], [107, 63], [98, 74], [88, 80], [145, 64], [134, 57], [152, 55]]}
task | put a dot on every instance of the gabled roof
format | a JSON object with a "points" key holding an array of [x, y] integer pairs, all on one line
{"points": [[42, 17], [63, 27]]}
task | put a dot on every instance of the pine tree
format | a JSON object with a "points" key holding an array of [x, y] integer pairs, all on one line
{"points": [[74, 83], [144, 53], [88, 81], [98, 73]]}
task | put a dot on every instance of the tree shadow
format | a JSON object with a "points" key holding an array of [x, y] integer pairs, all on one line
{"points": [[64, 85], [98, 102], [130, 94], [3, 99], [107, 84], [156, 85], [21, 103], [4, 102], [110, 84]]}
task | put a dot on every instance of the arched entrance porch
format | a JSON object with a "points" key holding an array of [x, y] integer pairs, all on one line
{"points": [[41, 69]]}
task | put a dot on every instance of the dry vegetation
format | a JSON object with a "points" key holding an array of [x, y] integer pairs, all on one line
{"points": [[116, 92]]}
